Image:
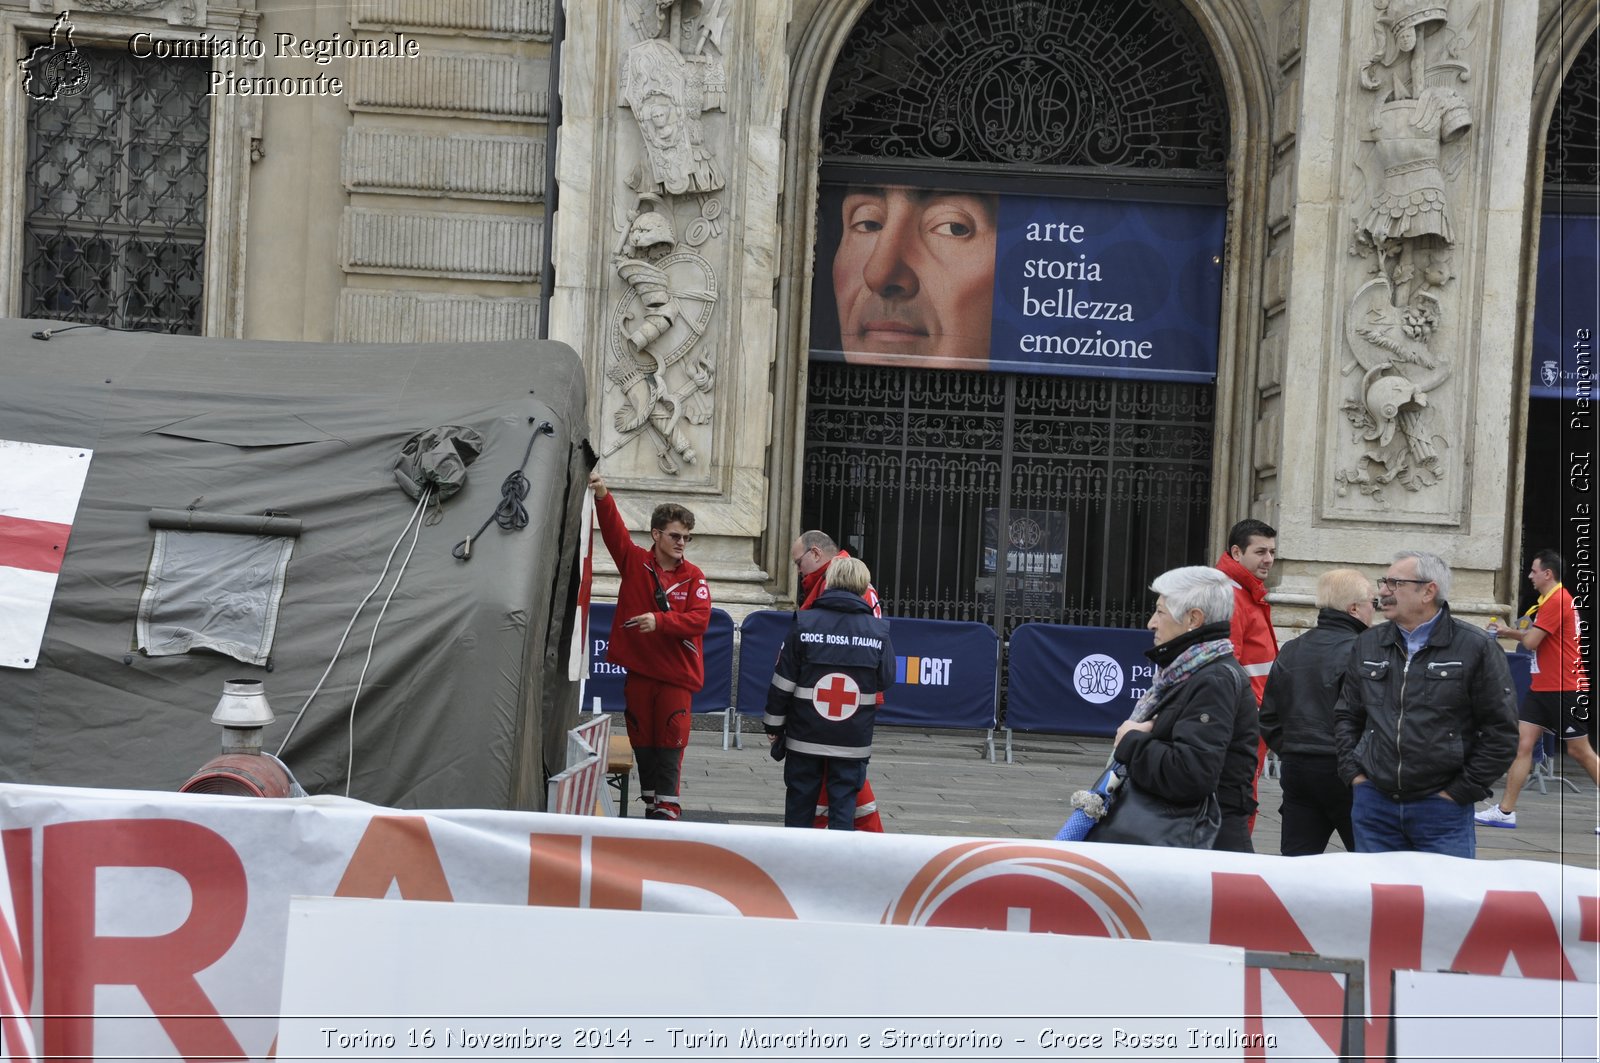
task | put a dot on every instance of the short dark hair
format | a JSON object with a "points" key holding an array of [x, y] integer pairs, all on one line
{"points": [[1552, 562], [1240, 534], [670, 512]]}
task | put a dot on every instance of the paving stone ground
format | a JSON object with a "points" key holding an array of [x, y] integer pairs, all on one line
{"points": [[942, 783]]}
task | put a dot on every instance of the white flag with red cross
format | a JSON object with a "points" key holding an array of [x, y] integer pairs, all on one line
{"points": [[578, 655], [39, 491]]}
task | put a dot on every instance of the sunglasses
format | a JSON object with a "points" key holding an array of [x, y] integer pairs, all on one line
{"points": [[679, 538], [1386, 581]]}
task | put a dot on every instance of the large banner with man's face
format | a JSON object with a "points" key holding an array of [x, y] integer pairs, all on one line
{"points": [[938, 278]]}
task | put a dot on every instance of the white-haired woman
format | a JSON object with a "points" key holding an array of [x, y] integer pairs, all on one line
{"points": [[1193, 733]]}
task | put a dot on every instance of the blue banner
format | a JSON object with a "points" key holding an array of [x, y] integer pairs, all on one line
{"points": [[1107, 288], [605, 679], [951, 279], [946, 672], [1075, 680], [1566, 313]]}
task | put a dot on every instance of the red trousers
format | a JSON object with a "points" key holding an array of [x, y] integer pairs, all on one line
{"points": [[657, 715]]}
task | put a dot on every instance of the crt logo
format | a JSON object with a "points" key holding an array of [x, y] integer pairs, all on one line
{"points": [[922, 671]]}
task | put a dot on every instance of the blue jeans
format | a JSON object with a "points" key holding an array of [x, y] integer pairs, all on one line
{"points": [[1433, 824]]}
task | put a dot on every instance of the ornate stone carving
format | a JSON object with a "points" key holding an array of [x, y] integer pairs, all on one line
{"points": [[178, 12], [1404, 228], [660, 375], [668, 88], [654, 329]]}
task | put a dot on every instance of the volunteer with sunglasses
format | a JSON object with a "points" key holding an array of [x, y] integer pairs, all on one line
{"points": [[663, 608], [1426, 720]]}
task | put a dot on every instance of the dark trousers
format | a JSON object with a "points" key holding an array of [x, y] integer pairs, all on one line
{"points": [[802, 776], [1316, 803], [1234, 837]]}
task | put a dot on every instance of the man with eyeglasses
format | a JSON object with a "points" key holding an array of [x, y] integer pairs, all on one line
{"points": [[1297, 714], [663, 609], [1558, 698], [1426, 720], [812, 554]]}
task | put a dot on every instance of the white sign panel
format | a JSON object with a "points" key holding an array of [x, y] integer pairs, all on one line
{"points": [[370, 979], [1467, 1017]]}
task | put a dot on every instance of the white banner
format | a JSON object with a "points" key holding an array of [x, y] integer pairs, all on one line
{"points": [[39, 491], [152, 904]]}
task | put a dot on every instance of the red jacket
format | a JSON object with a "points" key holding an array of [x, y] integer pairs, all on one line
{"points": [[811, 588], [1254, 642], [674, 652]]}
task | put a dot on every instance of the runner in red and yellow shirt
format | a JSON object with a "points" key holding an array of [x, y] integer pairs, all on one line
{"points": [[1559, 699]]}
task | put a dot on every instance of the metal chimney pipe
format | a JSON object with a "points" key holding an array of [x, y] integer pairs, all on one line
{"points": [[243, 713]]}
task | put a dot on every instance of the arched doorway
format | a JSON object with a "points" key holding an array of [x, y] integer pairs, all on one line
{"points": [[1021, 462], [1559, 472]]}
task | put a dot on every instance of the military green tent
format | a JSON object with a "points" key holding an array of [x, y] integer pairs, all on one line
{"points": [[241, 500]]}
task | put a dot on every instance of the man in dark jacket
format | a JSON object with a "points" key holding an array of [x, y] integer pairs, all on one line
{"points": [[1413, 786], [1297, 714], [823, 699]]}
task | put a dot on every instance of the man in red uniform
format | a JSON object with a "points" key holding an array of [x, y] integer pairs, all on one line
{"points": [[1558, 699], [1252, 549], [812, 553], [663, 608]]}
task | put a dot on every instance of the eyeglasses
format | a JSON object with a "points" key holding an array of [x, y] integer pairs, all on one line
{"points": [[1391, 583], [802, 556], [679, 538], [1377, 603]]}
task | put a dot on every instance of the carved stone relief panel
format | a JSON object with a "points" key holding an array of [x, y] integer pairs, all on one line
{"points": [[1400, 329], [660, 348]]}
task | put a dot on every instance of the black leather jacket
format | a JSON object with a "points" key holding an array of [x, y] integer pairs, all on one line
{"points": [[1444, 721], [1304, 685], [1204, 738]]}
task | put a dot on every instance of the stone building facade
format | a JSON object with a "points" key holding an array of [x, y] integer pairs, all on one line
{"points": [[1378, 167]]}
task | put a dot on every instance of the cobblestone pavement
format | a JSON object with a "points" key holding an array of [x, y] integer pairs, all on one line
{"points": [[942, 783]]}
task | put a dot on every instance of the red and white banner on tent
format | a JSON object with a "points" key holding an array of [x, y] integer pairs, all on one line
{"points": [[39, 491], [578, 653], [135, 907]]}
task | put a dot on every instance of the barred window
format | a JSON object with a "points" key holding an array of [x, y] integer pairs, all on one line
{"points": [[115, 231]]}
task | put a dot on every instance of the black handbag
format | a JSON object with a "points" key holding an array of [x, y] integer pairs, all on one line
{"points": [[1138, 817]]}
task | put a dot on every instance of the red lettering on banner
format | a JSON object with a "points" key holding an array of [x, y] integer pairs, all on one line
{"points": [[1514, 923], [18, 844], [1589, 918], [618, 868], [162, 967], [555, 870], [396, 850], [1246, 912]]}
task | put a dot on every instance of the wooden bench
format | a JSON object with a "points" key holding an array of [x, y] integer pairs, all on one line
{"points": [[619, 763]]}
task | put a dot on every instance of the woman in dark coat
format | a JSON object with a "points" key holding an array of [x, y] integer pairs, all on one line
{"points": [[1194, 731]]}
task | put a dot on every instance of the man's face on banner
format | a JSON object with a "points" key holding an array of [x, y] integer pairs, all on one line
{"points": [[914, 273]]}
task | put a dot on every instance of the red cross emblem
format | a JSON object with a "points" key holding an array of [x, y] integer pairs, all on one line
{"points": [[836, 696]]}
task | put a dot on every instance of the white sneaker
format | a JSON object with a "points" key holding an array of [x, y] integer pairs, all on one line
{"points": [[1493, 817]]}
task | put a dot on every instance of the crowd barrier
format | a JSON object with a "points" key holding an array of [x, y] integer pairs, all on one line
{"points": [[1074, 680], [947, 673]]}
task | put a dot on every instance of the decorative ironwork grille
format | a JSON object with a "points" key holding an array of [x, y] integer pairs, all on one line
{"points": [[1099, 485], [116, 197], [1572, 144], [1098, 83]]}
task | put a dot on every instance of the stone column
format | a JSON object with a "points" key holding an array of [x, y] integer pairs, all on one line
{"points": [[1397, 284], [665, 255]]}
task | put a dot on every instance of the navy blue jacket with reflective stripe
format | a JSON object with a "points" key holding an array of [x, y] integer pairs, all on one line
{"points": [[837, 637]]}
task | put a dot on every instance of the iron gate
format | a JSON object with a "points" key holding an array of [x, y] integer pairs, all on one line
{"points": [[1006, 499]]}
